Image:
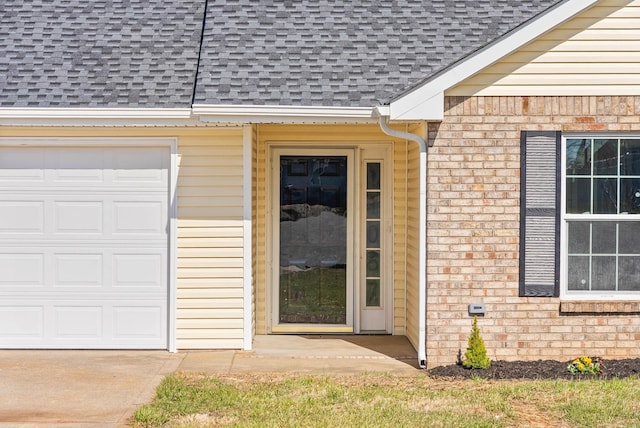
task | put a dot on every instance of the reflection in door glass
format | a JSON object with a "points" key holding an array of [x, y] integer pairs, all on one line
{"points": [[313, 240]]}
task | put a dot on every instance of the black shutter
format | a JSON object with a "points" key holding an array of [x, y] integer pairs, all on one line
{"points": [[540, 213]]}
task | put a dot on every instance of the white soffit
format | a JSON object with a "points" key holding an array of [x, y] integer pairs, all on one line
{"points": [[426, 102]]}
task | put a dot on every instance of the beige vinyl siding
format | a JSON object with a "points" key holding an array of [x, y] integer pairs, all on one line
{"points": [[596, 53], [412, 242], [400, 237], [209, 312]]}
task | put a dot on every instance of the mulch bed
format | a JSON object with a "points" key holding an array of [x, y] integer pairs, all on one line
{"points": [[541, 369]]}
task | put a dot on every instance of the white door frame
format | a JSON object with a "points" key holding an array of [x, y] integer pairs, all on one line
{"points": [[356, 155], [380, 319]]}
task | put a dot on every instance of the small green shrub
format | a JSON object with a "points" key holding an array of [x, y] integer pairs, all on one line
{"points": [[476, 355]]}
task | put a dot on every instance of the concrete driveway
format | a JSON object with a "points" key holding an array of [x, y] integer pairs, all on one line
{"points": [[79, 388], [104, 388]]}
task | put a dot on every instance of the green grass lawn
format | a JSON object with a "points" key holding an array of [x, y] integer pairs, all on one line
{"points": [[383, 400]]}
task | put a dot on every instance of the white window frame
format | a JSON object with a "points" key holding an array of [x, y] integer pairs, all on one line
{"points": [[579, 295]]}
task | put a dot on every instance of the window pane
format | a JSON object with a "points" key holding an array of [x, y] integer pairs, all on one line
{"points": [[373, 292], [373, 176], [604, 237], [630, 195], [629, 238], [373, 234], [373, 263], [605, 157], [579, 237], [630, 157], [604, 273], [629, 274], [578, 157], [578, 195], [605, 198], [373, 205], [578, 273]]}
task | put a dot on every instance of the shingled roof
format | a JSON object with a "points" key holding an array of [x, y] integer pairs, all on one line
{"points": [[144, 53], [355, 53], [78, 53]]}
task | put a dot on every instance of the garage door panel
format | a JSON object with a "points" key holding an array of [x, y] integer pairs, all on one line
{"points": [[139, 217], [78, 270], [18, 217], [78, 321], [139, 270], [92, 324], [135, 322], [21, 270], [84, 247], [21, 321], [76, 216]]}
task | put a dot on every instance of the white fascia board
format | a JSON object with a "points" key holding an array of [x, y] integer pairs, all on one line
{"points": [[415, 105], [92, 116], [282, 114]]}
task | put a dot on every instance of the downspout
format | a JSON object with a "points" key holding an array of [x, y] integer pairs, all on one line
{"points": [[422, 231]]}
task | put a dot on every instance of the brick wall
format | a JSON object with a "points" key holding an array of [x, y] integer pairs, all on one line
{"points": [[473, 233]]}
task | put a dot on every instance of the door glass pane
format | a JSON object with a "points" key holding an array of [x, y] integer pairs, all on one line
{"points": [[373, 263], [373, 205], [313, 240], [373, 292], [373, 234], [373, 176]]}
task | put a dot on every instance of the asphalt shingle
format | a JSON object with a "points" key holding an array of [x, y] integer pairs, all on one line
{"points": [[144, 53], [75, 53], [328, 53]]}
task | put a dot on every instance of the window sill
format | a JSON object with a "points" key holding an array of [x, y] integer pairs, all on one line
{"points": [[600, 307]]}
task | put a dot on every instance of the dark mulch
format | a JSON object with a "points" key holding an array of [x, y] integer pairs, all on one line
{"points": [[541, 369]]}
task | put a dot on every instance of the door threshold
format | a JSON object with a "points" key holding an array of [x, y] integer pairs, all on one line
{"points": [[300, 329]]}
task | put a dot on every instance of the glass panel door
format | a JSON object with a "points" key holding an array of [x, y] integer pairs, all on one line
{"points": [[313, 232]]}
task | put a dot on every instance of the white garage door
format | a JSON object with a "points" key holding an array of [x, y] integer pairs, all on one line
{"points": [[83, 247]]}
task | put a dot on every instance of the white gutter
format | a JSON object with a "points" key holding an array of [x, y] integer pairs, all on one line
{"points": [[43, 116], [282, 114], [422, 233]]}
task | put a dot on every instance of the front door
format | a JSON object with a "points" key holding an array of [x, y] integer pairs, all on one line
{"points": [[330, 261], [314, 275]]}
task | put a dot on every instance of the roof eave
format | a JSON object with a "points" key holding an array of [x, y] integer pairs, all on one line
{"points": [[282, 114], [426, 102], [43, 116]]}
